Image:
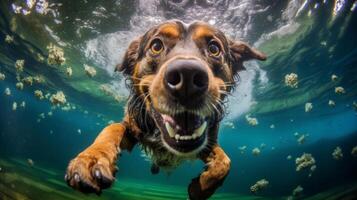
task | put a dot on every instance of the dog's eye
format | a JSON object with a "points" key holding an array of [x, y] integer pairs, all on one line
{"points": [[157, 46], [214, 49]]}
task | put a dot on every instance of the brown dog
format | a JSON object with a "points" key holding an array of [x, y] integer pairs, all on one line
{"points": [[179, 77]]}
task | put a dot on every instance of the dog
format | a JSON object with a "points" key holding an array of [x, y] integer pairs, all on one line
{"points": [[179, 76]]}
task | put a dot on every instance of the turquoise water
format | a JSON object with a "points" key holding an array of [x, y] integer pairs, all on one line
{"points": [[314, 39]]}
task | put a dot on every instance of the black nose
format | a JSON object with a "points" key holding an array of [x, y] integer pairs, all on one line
{"points": [[186, 80]]}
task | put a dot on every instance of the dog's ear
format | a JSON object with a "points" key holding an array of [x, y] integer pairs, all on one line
{"points": [[131, 57], [240, 52]]}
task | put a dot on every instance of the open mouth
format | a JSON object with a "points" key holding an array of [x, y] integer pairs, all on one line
{"points": [[182, 133]]}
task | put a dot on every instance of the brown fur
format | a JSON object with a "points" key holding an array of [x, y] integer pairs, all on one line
{"points": [[94, 168]]}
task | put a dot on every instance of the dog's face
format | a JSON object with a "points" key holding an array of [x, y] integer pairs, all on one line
{"points": [[182, 74]]}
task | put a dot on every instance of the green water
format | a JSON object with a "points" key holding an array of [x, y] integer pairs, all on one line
{"points": [[314, 39]]}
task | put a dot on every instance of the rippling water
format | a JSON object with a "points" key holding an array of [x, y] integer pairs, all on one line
{"points": [[313, 39]]}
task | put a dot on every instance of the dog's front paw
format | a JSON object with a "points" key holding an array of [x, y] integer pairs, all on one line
{"points": [[90, 172], [195, 191]]}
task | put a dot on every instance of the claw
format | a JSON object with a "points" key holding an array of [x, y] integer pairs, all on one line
{"points": [[89, 175], [77, 178], [98, 174], [66, 177]]}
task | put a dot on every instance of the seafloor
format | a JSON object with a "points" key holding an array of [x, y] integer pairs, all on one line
{"points": [[20, 181]]}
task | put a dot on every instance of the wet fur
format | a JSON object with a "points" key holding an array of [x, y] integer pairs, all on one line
{"points": [[94, 168]]}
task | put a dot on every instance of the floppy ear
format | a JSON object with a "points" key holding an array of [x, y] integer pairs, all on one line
{"points": [[130, 58], [240, 52]]}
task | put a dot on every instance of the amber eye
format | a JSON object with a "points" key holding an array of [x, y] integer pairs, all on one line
{"points": [[214, 49], [157, 46]]}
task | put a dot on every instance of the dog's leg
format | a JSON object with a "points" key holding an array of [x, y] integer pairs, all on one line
{"points": [[94, 168], [217, 168]]}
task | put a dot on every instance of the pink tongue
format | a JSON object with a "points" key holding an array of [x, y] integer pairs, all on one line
{"points": [[168, 118], [183, 123]]}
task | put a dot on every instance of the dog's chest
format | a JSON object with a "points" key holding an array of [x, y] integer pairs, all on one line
{"points": [[155, 152]]}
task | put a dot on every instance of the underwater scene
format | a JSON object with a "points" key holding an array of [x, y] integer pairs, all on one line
{"points": [[290, 128]]}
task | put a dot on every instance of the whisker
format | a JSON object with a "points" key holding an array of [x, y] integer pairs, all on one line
{"points": [[136, 78]]}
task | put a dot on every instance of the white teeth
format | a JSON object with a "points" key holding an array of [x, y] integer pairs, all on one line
{"points": [[170, 130], [196, 134]]}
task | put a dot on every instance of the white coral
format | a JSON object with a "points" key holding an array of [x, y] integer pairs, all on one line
{"points": [[28, 80], [242, 149], [23, 104], [14, 106], [298, 191], [7, 91], [90, 71], [301, 139], [39, 94], [331, 103], [256, 151], [334, 77], [19, 65], [308, 107], [55, 55], [259, 185], [339, 90], [58, 98], [2, 76], [9, 39], [337, 153], [251, 120], [20, 86], [291, 80], [69, 71], [305, 161]]}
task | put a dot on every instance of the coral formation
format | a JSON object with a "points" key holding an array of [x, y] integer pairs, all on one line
{"points": [[55, 55], [259, 185], [337, 153], [301, 139], [242, 149], [298, 191], [339, 90], [19, 65], [30, 162], [20, 86], [256, 151], [38, 79], [14, 106], [331, 103], [23, 104], [9, 39], [308, 107], [304, 161], [39, 94], [69, 71], [291, 80], [251, 120], [28, 80], [7, 91], [229, 124], [58, 98], [90, 71], [2, 76], [334, 77]]}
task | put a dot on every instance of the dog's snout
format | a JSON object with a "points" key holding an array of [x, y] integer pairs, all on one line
{"points": [[186, 79]]}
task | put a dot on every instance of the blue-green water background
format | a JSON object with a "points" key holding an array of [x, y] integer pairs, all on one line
{"points": [[316, 43]]}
